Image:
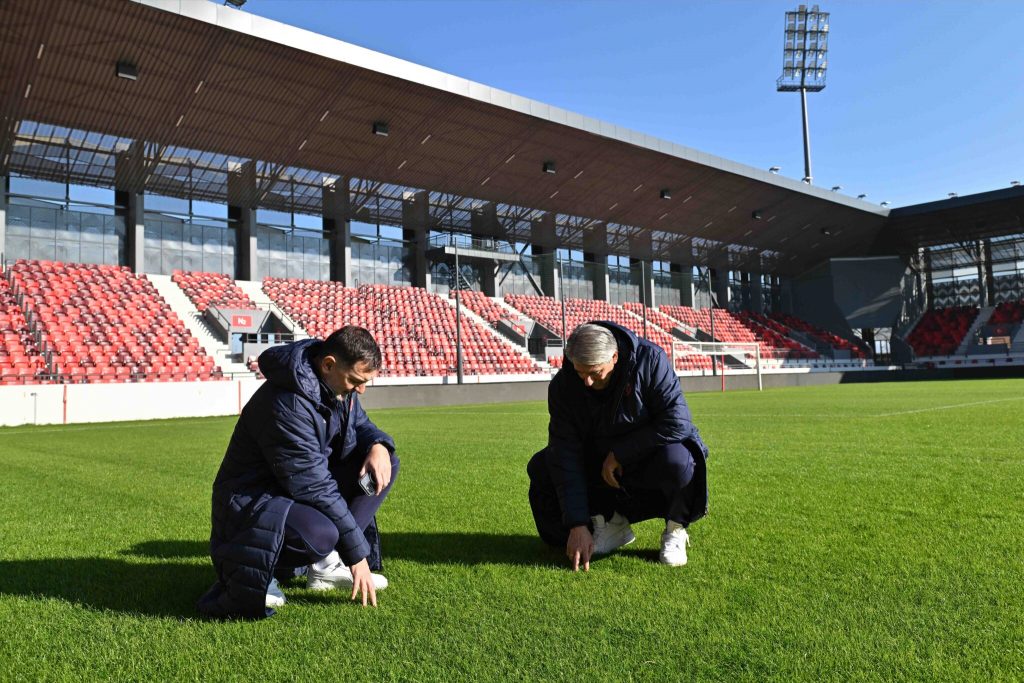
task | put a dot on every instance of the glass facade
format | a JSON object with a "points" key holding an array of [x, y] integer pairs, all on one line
{"points": [[1008, 269], [701, 288], [668, 286], [288, 253], [40, 231], [512, 277], [174, 243], [578, 279], [380, 263], [442, 277]]}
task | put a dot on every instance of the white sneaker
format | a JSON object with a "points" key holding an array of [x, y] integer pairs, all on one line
{"points": [[612, 534], [331, 572], [673, 544], [275, 598]]}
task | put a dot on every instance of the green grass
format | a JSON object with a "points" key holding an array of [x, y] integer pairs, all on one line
{"points": [[860, 532]]}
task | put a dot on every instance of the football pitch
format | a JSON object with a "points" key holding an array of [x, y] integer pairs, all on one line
{"points": [[859, 532]]}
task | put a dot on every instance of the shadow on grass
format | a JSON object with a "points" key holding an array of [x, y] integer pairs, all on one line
{"points": [[169, 588], [168, 549], [646, 554], [424, 548], [165, 589], [469, 548]]}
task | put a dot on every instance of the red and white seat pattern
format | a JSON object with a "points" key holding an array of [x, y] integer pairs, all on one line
{"points": [[106, 324], [767, 333], [548, 311], [211, 289], [940, 331], [833, 340], [741, 328], [1005, 316], [486, 308], [20, 361], [414, 328]]}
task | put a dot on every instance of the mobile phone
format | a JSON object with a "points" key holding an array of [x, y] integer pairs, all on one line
{"points": [[368, 484]]}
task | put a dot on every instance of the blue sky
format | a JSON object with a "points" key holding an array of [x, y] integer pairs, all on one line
{"points": [[923, 98]]}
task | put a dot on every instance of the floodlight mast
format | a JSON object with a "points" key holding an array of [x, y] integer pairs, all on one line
{"points": [[804, 61]]}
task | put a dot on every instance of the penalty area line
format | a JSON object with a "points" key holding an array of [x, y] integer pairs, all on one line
{"points": [[949, 407]]}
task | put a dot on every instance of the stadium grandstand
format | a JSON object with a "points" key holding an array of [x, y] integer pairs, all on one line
{"points": [[166, 218]]}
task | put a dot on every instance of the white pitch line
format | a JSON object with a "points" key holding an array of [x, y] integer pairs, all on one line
{"points": [[955, 405], [85, 427]]}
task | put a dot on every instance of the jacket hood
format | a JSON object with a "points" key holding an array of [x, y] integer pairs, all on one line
{"points": [[289, 367]]}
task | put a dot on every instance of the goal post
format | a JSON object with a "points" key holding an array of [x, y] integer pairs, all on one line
{"points": [[740, 355]]}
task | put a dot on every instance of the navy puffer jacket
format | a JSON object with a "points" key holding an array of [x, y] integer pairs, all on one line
{"points": [[287, 436], [646, 408]]}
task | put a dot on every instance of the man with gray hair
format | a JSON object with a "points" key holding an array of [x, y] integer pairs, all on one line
{"points": [[622, 448]]}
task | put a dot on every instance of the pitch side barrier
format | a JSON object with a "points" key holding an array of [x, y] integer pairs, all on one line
{"points": [[56, 404]]}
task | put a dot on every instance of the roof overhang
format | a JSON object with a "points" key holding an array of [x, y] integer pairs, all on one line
{"points": [[956, 220], [233, 87]]}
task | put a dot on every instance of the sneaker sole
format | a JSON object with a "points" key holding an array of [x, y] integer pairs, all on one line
{"points": [[318, 585]]}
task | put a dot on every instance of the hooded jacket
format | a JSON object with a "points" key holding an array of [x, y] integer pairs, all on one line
{"points": [[645, 408], [286, 439]]}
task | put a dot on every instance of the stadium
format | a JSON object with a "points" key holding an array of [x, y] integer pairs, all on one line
{"points": [[187, 184]]}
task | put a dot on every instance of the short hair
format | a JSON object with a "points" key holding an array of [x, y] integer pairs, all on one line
{"points": [[591, 344], [350, 345]]}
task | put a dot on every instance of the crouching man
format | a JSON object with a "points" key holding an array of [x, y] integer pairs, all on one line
{"points": [[288, 493], [622, 448]]}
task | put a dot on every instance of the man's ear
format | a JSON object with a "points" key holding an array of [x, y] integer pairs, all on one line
{"points": [[615, 358], [327, 363]]}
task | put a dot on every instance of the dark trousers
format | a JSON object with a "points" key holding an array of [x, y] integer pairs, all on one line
{"points": [[310, 536], [651, 488]]}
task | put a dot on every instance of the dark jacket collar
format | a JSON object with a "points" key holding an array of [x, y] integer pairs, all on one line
{"points": [[290, 368]]}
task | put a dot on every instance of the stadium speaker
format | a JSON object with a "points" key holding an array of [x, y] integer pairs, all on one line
{"points": [[127, 70], [549, 167], [755, 214], [380, 128], [666, 193]]}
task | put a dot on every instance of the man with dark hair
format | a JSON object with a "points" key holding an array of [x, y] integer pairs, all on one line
{"points": [[622, 448], [291, 493]]}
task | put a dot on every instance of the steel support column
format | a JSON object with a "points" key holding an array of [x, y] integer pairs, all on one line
{"points": [[242, 217], [337, 226], [416, 230]]}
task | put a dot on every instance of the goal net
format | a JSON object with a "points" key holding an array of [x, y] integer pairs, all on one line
{"points": [[718, 357]]}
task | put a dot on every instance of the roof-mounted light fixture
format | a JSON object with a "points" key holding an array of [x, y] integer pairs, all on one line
{"points": [[836, 188], [884, 204], [127, 71], [1014, 183], [861, 196], [774, 169], [235, 3], [952, 195]]}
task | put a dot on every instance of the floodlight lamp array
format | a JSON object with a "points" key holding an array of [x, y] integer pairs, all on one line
{"points": [[805, 51]]}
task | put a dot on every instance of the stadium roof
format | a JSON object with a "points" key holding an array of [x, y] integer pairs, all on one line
{"points": [[217, 87], [955, 220]]}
